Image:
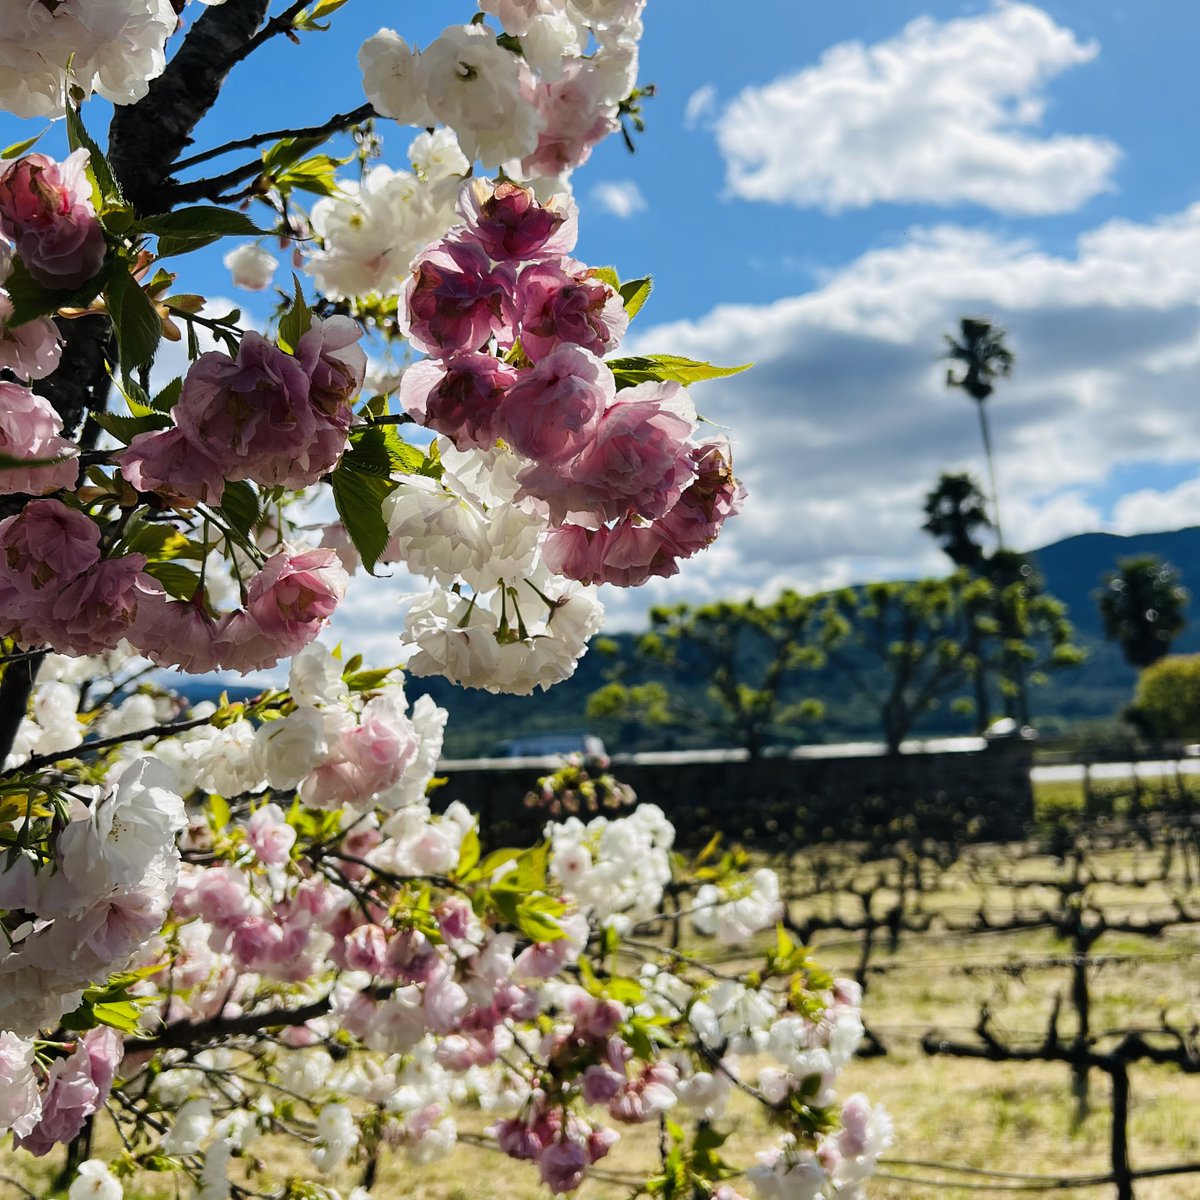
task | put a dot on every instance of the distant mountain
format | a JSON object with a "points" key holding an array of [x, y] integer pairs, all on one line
{"points": [[1073, 570]]}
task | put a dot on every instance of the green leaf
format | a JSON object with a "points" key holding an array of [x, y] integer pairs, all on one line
{"points": [[180, 582], [316, 175], [135, 320], [297, 321], [19, 148], [359, 498], [188, 229], [380, 450], [239, 506], [668, 368], [537, 918], [79, 139], [495, 861], [468, 853], [167, 398], [634, 294], [125, 429], [607, 275]]}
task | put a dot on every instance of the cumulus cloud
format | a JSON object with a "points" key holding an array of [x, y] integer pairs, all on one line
{"points": [[620, 197], [845, 422], [943, 113], [1148, 510]]}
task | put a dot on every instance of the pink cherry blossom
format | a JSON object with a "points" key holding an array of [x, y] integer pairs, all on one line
{"points": [[551, 413], [334, 362], [31, 350], [638, 462], [365, 949], [287, 604], [174, 464], [47, 543], [258, 415], [575, 120], [271, 837], [98, 608], [29, 429], [459, 396], [516, 1138], [455, 299], [562, 1166], [70, 1097], [563, 302], [177, 633], [20, 1099], [511, 224], [46, 210]]}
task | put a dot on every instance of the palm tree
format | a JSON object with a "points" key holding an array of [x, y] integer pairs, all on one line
{"points": [[985, 358]]}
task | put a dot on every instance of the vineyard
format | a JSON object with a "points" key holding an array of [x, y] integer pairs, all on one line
{"points": [[1032, 1008]]}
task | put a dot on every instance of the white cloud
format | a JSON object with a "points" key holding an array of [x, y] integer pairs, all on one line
{"points": [[1148, 510], [701, 106], [943, 113], [620, 197], [845, 422]]}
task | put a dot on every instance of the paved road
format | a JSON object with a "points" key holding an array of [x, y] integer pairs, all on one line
{"points": [[1143, 770]]}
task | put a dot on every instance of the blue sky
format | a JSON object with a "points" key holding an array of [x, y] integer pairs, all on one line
{"points": [[824, 189]]}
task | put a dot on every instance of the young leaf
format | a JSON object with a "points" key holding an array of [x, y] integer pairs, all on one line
{"points": [[668, 368], [19, 148], [295, 323], [607, 275], [634, 294], [359, 498]]}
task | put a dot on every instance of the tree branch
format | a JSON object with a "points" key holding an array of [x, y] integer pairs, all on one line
{"points": [[335, 124]]}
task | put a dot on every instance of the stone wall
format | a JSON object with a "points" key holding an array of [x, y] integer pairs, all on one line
{"points": [[980, 793]]}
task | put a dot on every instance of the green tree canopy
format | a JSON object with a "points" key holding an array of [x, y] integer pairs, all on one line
{"points": [[1166, 703], [741, 653], [1142, 606]]}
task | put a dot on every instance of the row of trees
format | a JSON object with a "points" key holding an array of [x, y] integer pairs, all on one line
{"points": [[967, 642]]}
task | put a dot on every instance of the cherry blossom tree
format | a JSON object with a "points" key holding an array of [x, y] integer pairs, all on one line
{"points": [[228, 922]]}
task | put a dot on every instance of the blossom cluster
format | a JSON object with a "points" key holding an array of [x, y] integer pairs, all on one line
{"points": [[112, 47], [540, 108], [240, 920], [325, 898], [551, 470], [265, 415]]}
